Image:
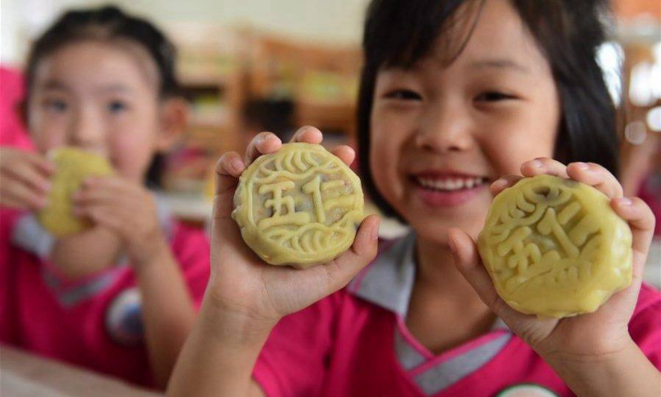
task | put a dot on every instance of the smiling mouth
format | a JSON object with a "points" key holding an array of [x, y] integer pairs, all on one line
{"points": [[449, 184]]}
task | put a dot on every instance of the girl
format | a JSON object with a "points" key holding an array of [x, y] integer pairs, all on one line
{"points": [[455, 95], [120, 297]]}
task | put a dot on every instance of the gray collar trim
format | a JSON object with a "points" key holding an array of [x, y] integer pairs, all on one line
{"points": [[388, 281]]}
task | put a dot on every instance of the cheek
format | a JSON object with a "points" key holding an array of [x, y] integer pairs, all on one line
{"points": [[131, 152], [47, 133], [386, 141], [523, 139]]}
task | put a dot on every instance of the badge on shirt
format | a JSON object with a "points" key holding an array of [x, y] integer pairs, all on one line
{"points": [[526, 390], [124, 318]]}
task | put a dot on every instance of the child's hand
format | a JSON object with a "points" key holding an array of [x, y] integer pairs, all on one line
{"points": [[126, 208], [24, 179], [585, 336], [241, 283]]}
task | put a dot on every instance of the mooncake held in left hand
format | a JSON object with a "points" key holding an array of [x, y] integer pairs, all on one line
{"points": [[299, 206], [72, 167], [554, 247]]}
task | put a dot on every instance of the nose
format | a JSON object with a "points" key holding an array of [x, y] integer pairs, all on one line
{"points": [[446, 127], [87, 129]]}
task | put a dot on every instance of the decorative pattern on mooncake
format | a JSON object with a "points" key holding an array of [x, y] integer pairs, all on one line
{"points": [[554, 247], [73, 166], [300, 206]]}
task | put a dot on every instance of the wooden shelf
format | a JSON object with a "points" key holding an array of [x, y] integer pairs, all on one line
{"points": [[222, 71]]}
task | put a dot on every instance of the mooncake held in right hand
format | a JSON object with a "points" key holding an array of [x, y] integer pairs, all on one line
{"points": [[555, 248]]}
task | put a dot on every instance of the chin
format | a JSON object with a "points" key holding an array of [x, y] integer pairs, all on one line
{"points": [[436, 228]]}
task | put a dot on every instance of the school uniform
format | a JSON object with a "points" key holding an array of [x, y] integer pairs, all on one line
{"points": [[95, 321], [355, 343]]}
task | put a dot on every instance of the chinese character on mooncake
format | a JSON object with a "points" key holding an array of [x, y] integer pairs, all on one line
{"points": [[300, 206], [554, 247], [72, 167]]}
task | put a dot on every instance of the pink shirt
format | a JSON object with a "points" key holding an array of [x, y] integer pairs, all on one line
{"points": [[93, 322], [355, 343]]}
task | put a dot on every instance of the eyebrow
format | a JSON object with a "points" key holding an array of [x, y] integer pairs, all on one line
{"points": [[58, 85], [499, 64], [116, 87], [54, 85]]}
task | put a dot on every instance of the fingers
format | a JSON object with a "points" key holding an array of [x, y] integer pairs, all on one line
{"points": [[106, 217], [263, 143], [589, 173], [544, 166], [44, 165], [503, 183], [308, 134], [17, 195], [597, 177], [341, 270], [24, 179], [345, 153], [228, 170], [641, 220], [311, 134], [29, 174]]}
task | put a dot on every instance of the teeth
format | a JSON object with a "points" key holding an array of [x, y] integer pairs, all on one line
{"points": [[450, 184]]}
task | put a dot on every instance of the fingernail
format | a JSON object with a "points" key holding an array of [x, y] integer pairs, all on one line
{"points": [[625, 201], [375, 230], [237, 165], [536, 164], [583, 166]]}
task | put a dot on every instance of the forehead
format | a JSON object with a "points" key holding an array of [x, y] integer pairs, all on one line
{"points": [[499, 33], [95, 64], [488, 33]]}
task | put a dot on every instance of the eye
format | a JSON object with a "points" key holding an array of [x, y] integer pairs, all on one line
{"points": [[404, 95], [117, 106], [56, 105], [494, 96]]}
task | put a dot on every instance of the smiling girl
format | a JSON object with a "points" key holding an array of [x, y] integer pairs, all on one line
{"points": [[458, 100]]}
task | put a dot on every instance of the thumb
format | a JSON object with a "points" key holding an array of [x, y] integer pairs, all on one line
{"points": [[229, 168], [468, 262], [342, 269]]}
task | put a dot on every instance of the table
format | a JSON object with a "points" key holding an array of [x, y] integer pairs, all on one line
{"points": [[25, 375]]}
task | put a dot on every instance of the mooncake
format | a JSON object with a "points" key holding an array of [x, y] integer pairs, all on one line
{"points": [[72, 167], [299, 206], [555, 248]]}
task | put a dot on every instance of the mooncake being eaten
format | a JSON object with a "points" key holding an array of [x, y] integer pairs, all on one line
{"points": [[72, 167], [554, 247], [299, 206]]}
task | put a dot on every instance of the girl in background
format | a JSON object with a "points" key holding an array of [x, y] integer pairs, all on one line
{"points": [[121, 297]]}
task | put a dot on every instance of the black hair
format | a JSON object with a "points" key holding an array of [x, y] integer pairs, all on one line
{"points": [[105, 24], [399, 33]]}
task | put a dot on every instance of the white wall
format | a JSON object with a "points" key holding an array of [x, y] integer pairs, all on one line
{"points": [[331, 21]]}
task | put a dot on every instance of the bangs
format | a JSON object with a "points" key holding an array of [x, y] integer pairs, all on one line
{"points": [[401, 33]]}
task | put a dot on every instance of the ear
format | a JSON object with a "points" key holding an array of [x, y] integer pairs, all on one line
{"points": [[173, 120]]}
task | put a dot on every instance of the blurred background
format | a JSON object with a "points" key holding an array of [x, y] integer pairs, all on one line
{"points": [[254, 65]]}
